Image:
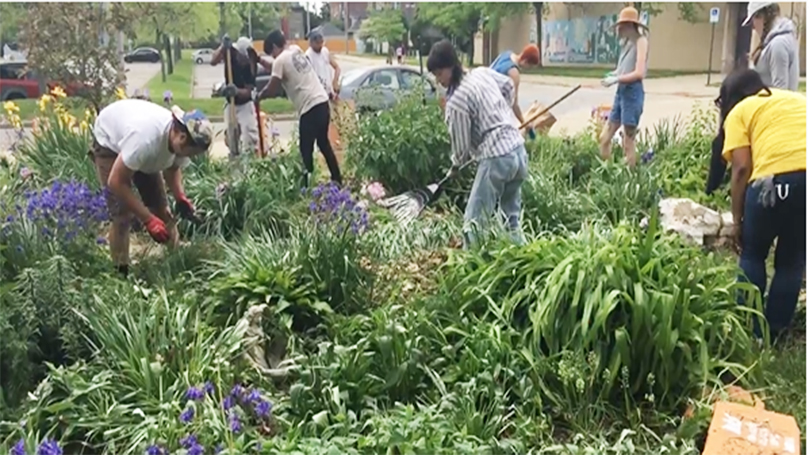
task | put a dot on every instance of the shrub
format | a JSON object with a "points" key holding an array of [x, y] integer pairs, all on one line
{"points": [[640, 318], [262, 196], [403, 148], [60, 145]]}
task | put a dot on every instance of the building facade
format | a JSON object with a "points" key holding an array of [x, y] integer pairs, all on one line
{"points": [[584, 34]]}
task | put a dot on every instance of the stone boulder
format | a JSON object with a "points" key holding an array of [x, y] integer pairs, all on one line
{"points": [[694, 222]]}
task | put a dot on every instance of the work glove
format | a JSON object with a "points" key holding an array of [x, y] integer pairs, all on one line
{"points": [[157, 229], [230, 91], [532, 134], [185, 209], [226, 42], [609, 81]]}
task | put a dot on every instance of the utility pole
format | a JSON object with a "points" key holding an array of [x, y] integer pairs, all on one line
{"points": [[308, 26], [221, 19], [250, 20], [345, 22]]}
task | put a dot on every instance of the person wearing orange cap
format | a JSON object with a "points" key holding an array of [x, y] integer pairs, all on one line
{"points": [[628, 75], [509, 64]]}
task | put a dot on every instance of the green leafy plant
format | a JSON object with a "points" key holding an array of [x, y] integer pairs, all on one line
{"points": [[404, 147]]}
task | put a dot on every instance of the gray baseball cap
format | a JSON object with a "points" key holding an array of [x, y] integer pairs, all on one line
{"points": [[752, 9]]}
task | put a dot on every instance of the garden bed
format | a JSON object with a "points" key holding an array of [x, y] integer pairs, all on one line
{"points": [[311, 323]]}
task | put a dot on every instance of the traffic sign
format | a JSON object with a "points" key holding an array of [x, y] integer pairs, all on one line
{"points": [[714, 15]]}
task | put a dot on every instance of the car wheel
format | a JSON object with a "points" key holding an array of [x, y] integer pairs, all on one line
{"points": [[14, 96], [199, 61], [127, 60]]}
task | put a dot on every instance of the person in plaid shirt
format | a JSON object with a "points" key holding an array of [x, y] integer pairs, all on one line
{"points": [[480, 121]]}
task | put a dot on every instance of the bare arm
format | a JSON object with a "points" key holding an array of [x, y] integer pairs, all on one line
{"points": [[742, 167], [271, 89], [514, 74], [119, 183], [173, 177], [218, 56], [640, 64], [336, 82]]}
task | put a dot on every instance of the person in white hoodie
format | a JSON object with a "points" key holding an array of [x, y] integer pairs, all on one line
{"points": [[777, 57]]}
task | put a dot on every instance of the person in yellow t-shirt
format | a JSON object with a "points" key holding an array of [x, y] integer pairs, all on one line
{"points": [[765, 144]]}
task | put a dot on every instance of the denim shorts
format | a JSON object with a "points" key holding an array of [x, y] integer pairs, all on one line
{"points": [[628, 104]]}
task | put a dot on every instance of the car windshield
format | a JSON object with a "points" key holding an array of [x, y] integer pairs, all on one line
{"points": [[352, 76]]}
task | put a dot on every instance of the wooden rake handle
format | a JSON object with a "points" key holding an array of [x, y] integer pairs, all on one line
{"points": [[545, 111]]}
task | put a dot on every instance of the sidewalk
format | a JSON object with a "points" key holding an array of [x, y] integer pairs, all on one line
{"points": [[693, 86]]}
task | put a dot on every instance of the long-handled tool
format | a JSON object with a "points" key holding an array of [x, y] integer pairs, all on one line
{"points": [[233, 125], [408, 206], [261, 151]]}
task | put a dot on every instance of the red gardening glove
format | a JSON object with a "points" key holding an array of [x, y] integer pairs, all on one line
{"points": [[157, 229]]}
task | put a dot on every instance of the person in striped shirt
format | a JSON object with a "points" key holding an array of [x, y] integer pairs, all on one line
{"points": [[480, 122]]}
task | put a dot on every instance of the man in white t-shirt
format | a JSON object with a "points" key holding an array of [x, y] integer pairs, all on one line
{"points": [[134, 141], [294, 72], [324, 64]]}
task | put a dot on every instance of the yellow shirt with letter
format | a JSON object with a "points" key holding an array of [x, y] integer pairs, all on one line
{"points": [[774, 127]]}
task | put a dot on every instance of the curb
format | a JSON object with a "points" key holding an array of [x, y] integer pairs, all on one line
{"points": [[283, 117]]}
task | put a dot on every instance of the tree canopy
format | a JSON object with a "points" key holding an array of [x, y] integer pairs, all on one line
{"points": [[384, 26]]}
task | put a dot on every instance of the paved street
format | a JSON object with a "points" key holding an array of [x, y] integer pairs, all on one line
{"points": [[139, 74]]}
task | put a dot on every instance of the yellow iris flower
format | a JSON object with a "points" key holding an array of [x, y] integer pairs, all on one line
{"points": [[57, 92], [11, 107], [120, 93], [44, 101]]}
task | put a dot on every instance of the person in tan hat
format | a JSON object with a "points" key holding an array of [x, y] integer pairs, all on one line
{"points": [[628, 75]]}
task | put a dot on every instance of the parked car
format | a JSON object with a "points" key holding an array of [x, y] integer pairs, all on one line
{"points": [[17, 82], [375, 88], [201, 56], [143, 54]]}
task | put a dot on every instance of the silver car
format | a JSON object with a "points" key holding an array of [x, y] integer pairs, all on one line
{"points": [[377, 88]]}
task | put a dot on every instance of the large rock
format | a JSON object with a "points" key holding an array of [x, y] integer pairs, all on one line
{"points": [[694, 222]]}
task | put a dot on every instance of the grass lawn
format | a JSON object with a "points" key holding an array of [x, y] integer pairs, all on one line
{"points": [[598, 73], [179, 83], [212, 107], [802, 86]]}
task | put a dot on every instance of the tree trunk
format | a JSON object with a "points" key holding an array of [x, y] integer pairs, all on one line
{"points": [[221, 19], [470, 59], [538, 6], [169, 59], [178, 50], [162, 60]]}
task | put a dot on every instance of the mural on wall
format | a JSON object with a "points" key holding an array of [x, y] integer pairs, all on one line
{"points": [[584, 40]]}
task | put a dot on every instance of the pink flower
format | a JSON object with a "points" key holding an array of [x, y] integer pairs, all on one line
{"points": [[374, 190]]}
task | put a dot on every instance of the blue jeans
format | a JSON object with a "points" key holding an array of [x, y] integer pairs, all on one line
{"points": [[628, 104], [497, 183], [762, 223]]}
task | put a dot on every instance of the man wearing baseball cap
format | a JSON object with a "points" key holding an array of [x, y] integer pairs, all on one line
{"points": [[134, 142], [324, 63], [777, 57]]}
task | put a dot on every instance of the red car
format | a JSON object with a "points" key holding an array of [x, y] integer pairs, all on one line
{"points": [[17, 82]]}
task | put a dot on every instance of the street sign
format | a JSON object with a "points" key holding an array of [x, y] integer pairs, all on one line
{"points": [[714, 15]]}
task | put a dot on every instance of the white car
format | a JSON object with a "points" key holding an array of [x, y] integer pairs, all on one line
{"points": [[201, 56]]}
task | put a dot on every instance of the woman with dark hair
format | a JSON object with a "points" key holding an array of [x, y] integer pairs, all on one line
{"points": [[629, 73], [481, 128], [765, 142], [777, 57]]}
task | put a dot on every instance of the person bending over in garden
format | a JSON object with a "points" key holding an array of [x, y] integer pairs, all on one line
{"points": [[509, 64], [133, 142], [294, 72], [244, 66], [481, 128], [629, 73], [765, 142]]}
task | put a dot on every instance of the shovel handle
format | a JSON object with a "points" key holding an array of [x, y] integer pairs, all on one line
{"points": [[545, 111]]}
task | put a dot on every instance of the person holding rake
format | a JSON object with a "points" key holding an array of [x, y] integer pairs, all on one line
{"points": [[480, 121]]}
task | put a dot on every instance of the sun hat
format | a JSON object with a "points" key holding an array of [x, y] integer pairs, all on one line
{"points": [[629, 15], [752, 9], [200, 129]]}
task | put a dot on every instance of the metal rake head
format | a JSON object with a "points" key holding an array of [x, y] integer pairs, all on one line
{"points": [[407, 207]]}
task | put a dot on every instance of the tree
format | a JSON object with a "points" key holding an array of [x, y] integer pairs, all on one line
{"points": [[540, 9], [384, 26], [11, 16], [463, 20], [64, 42]]}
